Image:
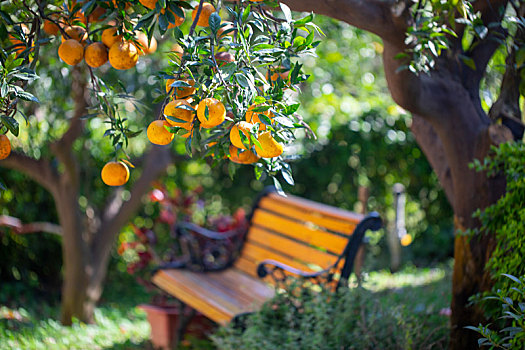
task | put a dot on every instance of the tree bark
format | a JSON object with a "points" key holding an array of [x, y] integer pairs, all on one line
{"points": [[450, 126]]}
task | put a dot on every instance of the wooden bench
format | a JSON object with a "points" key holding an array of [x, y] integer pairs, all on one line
{"points": [[287, 236]]}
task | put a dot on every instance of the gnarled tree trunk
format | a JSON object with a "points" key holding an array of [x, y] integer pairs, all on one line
{"points": [[449, 125]]}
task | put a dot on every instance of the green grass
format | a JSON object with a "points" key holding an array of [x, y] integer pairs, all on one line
{"points": [[28, 319]]}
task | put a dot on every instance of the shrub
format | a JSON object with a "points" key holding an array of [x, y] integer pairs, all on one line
{"points": [[347, 319], [512, 311]]}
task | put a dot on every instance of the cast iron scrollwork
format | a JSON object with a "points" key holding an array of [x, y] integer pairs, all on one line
{"points": [[207, 250]]}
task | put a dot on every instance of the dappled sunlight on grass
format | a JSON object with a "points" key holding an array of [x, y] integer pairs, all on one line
{"points": [[377, 281]]}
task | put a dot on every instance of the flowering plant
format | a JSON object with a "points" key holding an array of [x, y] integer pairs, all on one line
{"points": [[153, 239]]}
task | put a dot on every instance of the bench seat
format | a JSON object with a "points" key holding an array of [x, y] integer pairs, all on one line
{"points": [[222, 294]]}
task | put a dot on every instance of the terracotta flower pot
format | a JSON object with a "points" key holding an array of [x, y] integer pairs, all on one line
{"points": [[165, 324]]}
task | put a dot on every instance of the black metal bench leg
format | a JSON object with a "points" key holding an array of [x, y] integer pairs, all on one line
{"points": [[184, 320]]}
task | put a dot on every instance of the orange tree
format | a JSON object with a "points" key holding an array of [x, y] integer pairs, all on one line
{"points": [[224, 83]]}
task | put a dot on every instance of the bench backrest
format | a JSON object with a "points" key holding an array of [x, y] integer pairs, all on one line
{"points": [[300, 233]]}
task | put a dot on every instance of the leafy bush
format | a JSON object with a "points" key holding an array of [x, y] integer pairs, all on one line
{"points": [[505, 218], [348, 319], [512, 337]]}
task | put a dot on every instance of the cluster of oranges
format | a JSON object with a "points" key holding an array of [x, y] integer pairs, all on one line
{"points": [[211, 112], [121, 53]]}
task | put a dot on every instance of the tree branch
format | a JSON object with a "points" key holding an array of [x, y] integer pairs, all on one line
{"points": [[431, 145], [62, 148], [39, 170], [379, 17], [21, 228]]}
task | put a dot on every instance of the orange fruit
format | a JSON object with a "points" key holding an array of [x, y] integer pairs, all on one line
{"points": [[115, 173], [123, 55], [223, 58], [177, 49], [110, 37], [50, 28], [206, 11], [71, 52], [178, 20], [235, 136], [172, 110], [96, 54], [276, 73], [149, 3], [5, 147], [180, 92], [96, 14], [242, 157], [146, 47], [228, 26], [77, 33], [253, 117], [158, 134], [216, 112], [19, 44], [269, 146]]}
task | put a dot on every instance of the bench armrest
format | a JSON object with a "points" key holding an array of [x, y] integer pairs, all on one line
{"points": [[281, 273]]}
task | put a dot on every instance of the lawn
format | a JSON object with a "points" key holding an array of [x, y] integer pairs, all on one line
{"points": [[28, 320]]}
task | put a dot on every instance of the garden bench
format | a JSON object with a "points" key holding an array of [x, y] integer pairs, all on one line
{"points": [[286, 236]]}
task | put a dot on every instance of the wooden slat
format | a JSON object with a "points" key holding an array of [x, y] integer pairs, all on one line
{"points": [[322, 239], [211, 295], [247, 266], [325, 210], [286, 246], [257, 254], [283, 208]]}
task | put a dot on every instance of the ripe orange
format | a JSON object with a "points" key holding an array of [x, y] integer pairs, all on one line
{"points": [[180, 92], [96, 54], [178, 20], [158, 134], [77, 33], [115, 173], [253, 117], [145, 47], [49, 27], [5, 147], [276, 73], [223, 58], [123, 55], [235, 137], [216, 112], [228, 26], [206, 11], [110, 37], [149, 3], [269, 146], [71, 52], [242, 157], [96, 14], [19, 44], [171, 110]]}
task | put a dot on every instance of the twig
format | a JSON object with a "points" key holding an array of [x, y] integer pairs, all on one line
{"points": [[20, 228]]}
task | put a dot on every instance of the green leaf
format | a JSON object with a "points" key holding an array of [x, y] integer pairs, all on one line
{"points": [[468, 61], [287, 175], [11, 124], [301, 22], [24, 95], [286, 12], [214, 22], [278, 186], [246, 13], [232, 169]]}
